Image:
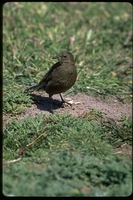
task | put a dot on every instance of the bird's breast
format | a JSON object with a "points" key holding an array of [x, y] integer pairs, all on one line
{"points": [[62, 79]]}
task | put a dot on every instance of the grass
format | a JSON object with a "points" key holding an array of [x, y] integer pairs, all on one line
{"points": [[61, 155], [60, 150]]}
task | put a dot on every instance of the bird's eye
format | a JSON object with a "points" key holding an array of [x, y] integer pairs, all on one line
{"points": [[64, 56]]}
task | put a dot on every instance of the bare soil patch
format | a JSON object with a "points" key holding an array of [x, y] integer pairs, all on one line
{"points": [[111, 106], [82, 103]]}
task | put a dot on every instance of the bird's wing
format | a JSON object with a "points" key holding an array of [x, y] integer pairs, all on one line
{"points": [[47, 77]]}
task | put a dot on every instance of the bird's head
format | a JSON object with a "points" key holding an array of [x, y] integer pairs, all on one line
{"points": [[64, 57]]}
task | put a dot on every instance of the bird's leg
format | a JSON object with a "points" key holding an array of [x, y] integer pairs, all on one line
{"points": [[51, 104], [64, 102]]}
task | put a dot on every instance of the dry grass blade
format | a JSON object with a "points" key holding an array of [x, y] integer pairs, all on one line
{"points": [[35, 139], [12, 161]]}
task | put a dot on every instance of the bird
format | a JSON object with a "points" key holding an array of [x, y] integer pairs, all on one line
{"points": [[60, 77]]}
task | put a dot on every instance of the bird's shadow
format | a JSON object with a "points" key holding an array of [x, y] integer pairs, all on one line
{"points": [[44, 103]]}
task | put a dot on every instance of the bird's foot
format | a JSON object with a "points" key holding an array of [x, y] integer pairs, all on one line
{"points": [[66, 104], [51, 111]]}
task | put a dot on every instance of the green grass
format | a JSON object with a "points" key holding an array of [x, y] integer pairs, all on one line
{"points": [[69, 156], [68, 174]]}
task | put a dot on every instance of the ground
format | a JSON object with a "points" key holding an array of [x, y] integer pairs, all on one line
{"points": [[112, 107]]}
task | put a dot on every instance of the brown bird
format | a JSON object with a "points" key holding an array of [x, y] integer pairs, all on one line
{"points": [[60, 77]]}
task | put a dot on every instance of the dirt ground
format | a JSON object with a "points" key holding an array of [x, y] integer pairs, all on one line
{"points": [[112, 107], [81, 103]]}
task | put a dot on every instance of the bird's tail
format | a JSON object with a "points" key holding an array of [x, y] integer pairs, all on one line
{"points": [[32, 88]]}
